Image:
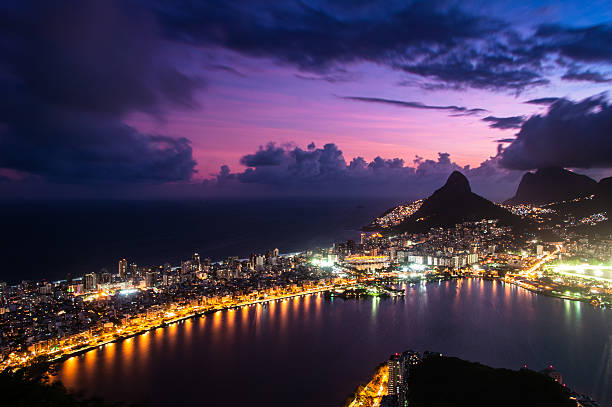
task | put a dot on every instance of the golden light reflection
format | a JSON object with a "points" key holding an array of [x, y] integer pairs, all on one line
{"points": [[244, 314], [70, 369], [284, 316], [109, 352], [216, 322], [144, 341], [272, 307], [231, 319], [127, 354], [295, 303], [90, 360]]}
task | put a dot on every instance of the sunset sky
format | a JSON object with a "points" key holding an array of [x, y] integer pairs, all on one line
{"points": [[156, 98]]}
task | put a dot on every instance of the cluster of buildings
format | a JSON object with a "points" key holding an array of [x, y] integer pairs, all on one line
{"points": [[397, 215], [38, 316]]}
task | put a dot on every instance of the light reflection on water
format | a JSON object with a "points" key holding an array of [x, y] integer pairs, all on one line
{"points": [[322, 348]]}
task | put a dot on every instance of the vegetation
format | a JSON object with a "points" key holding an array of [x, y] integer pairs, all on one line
{"points": [[452, 382], [31, 387]]}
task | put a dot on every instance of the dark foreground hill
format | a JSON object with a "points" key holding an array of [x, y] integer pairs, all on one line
{"points": [[552, 185], [452, 382], [454, 203], [604, 191], [32, 387]]}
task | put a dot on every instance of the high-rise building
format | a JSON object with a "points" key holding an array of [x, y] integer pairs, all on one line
{"points": [[395, 375], [123, 268], [259, 262], [197, 265], [186, 266], [150, 278], [105, 277], [91, 281]]}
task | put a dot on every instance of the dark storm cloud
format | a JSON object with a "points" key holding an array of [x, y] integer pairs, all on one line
{"points": [[570, 134], [318, 38], [69, 74], [586, 76], [288, 169], [542, 101], [447, 46], [457, 110], [505, 140], [504, 123], [479, 71], [444, 45], [586, 44], [270, 155]]}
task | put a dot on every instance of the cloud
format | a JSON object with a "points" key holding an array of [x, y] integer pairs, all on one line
{"points": [[70, 74], [455, 70], [504, 123], [270, 155], [225, 68], [584, 44], [570, 134], [505, 140], [585, 76], [542, 101], [291, 170], [437, 42], [334, 77], [449, 47], [458, 110]]}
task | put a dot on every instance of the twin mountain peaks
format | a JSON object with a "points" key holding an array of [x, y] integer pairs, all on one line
{"points": [[456, 203]]}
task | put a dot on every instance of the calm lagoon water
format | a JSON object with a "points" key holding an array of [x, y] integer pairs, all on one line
{"points": [[310, 351]]}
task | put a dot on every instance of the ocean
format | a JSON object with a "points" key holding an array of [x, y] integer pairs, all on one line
{"points": [[50, 239]]}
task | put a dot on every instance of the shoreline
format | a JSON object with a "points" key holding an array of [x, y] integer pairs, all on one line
{"points": [[52, 361], [200, 314], [78, 352]]}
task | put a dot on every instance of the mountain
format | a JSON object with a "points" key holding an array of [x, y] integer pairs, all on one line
{"points": [[454, 203], [604, 190], [552, 185]]}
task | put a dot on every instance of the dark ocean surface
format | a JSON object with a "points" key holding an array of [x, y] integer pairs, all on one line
{"points": [[50, 239], [314, 352]]}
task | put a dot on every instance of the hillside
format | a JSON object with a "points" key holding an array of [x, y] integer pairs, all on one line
{"points": [[552, 185], [454, 203]]}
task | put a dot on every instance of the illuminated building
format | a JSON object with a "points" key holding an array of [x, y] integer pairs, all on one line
{"points": [[196, 262], [106, 278], [367, 263], [122, 268], [91, 281], [395, 375], [150, 278]]}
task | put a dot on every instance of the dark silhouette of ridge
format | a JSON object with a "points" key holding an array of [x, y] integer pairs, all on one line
{"points": [[604, 190], [553, 184], [454, 203]]}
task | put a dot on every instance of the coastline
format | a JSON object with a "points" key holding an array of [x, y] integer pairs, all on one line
{"points": [[123, 336], [203, 313]]}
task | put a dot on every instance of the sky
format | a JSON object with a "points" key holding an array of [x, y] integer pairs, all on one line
{"points": [[147, 99]]}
